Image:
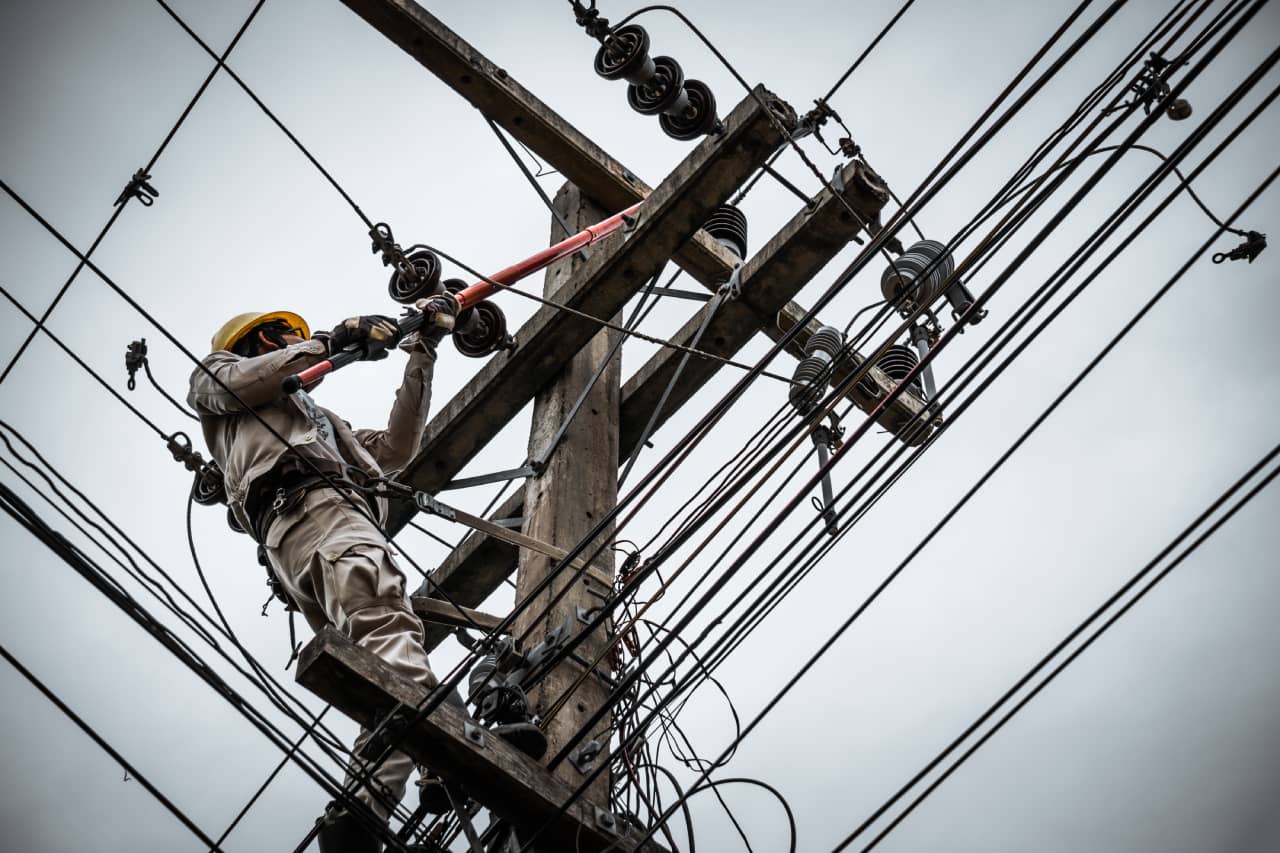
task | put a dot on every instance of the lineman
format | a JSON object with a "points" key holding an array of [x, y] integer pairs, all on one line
{"points": [[334, 563]]}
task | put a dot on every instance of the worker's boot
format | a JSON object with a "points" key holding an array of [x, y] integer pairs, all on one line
{"points": [[343, 832]]}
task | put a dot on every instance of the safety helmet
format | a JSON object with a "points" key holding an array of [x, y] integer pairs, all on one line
{"points": [[241, 324]]}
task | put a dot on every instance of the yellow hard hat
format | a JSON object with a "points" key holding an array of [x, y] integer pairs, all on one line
{"points": [[240, 325]]}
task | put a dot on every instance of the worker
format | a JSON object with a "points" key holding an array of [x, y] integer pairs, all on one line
{"points": [[328, 555]]}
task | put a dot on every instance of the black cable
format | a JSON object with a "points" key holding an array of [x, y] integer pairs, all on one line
{"points": [[533, 182], [1177, 561], [146, 368], [120, 206], [110, 750], [875, 41], [1079, 194]]}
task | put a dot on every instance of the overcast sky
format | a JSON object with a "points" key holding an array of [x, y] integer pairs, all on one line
{"points": [[1162, 736]]}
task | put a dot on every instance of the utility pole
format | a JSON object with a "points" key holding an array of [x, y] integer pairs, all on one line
{"points": [[577, 487]]}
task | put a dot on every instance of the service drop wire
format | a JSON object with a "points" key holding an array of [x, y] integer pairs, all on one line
{"points": [[955, 509], [938, 177], [1125, 608], [761, 608], [127, 196], [857, 375], [106, 747], [995, 286]]}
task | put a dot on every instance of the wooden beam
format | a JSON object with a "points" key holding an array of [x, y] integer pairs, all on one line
{"points": [[617, 269], [496, 775], [496, 94], [440, 612]]}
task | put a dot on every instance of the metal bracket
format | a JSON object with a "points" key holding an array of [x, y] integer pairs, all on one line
{"points": [[682, 294], [510, 523], [607, 821], [584, 615], [474, 734], [732, 288], [427, 503], [529, 469], [585, 758]]}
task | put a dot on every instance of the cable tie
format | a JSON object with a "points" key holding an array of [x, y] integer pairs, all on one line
{"points": [[139, 187], [135, 357]]}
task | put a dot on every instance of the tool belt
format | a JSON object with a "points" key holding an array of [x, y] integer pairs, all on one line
{"points": [[281, 488]]}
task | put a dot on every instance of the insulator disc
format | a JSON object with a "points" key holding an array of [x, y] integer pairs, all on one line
{"points": [[661, 91], [827, 339], [486, 332], [698, 119], [209, 488], [407, 292], [901, 284], [728, 224], [898, 361], [625, 56]]}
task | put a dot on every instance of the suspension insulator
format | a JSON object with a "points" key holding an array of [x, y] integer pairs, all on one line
{"points": [[209, 488], [728, 225], [698, 118], [484, 332], [406, 291], [898, 361], [809, 382], [662, 92], [625, 55], [902, 283]]}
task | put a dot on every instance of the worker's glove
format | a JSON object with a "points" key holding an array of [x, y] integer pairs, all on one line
{"points": [[373, 333], [441, 311]]}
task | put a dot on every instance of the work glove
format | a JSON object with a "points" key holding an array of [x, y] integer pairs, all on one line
{"points": [[373, 333], [441, 311]]}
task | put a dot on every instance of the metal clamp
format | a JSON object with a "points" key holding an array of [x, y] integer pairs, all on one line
{"points": [[474, 734], [607, 821], [732, 288], [427, 503], [584, 759]]}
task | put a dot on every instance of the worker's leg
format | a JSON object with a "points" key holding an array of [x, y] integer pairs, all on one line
{"points": [[335, 561]]}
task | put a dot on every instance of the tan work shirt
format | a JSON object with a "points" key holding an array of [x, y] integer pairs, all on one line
{"points": [[246, 449]]}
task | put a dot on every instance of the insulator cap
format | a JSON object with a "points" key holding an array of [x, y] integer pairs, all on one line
{"points": [[728, 224], [898, 361], [1179, 109], [482, 330], [406, 291], [660, 93], [901, 283], [625, 55], [697, 119]]}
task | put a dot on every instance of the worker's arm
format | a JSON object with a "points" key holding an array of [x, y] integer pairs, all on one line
{"points": [[225, 383], [393, 447]]}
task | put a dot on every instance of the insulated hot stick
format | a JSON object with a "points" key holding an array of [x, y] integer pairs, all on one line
{"points": [[468, 297]]}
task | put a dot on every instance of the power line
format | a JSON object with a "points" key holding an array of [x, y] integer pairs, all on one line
{"points": [[109, 750]]}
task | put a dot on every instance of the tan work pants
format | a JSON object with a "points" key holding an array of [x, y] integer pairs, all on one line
{"points": [[336, 565]]}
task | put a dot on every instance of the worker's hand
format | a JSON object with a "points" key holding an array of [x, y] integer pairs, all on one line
{"points": [[441, 311], [373, 333]]}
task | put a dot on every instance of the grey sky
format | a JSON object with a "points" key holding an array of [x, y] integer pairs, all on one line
{"points": [[1160, 737]]}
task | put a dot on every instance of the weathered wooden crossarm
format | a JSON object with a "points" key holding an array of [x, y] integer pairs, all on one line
{"points": [[616, 270], [496, 775], [499, 96], [438, 612]]}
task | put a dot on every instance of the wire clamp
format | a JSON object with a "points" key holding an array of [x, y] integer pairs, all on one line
{"points": [[179, 445], [139, 187], [1254, 243], [384, 242], [135, 357], [732, 288]]}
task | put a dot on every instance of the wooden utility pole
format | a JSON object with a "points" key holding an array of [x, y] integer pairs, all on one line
{"points": [[577, 487]]}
